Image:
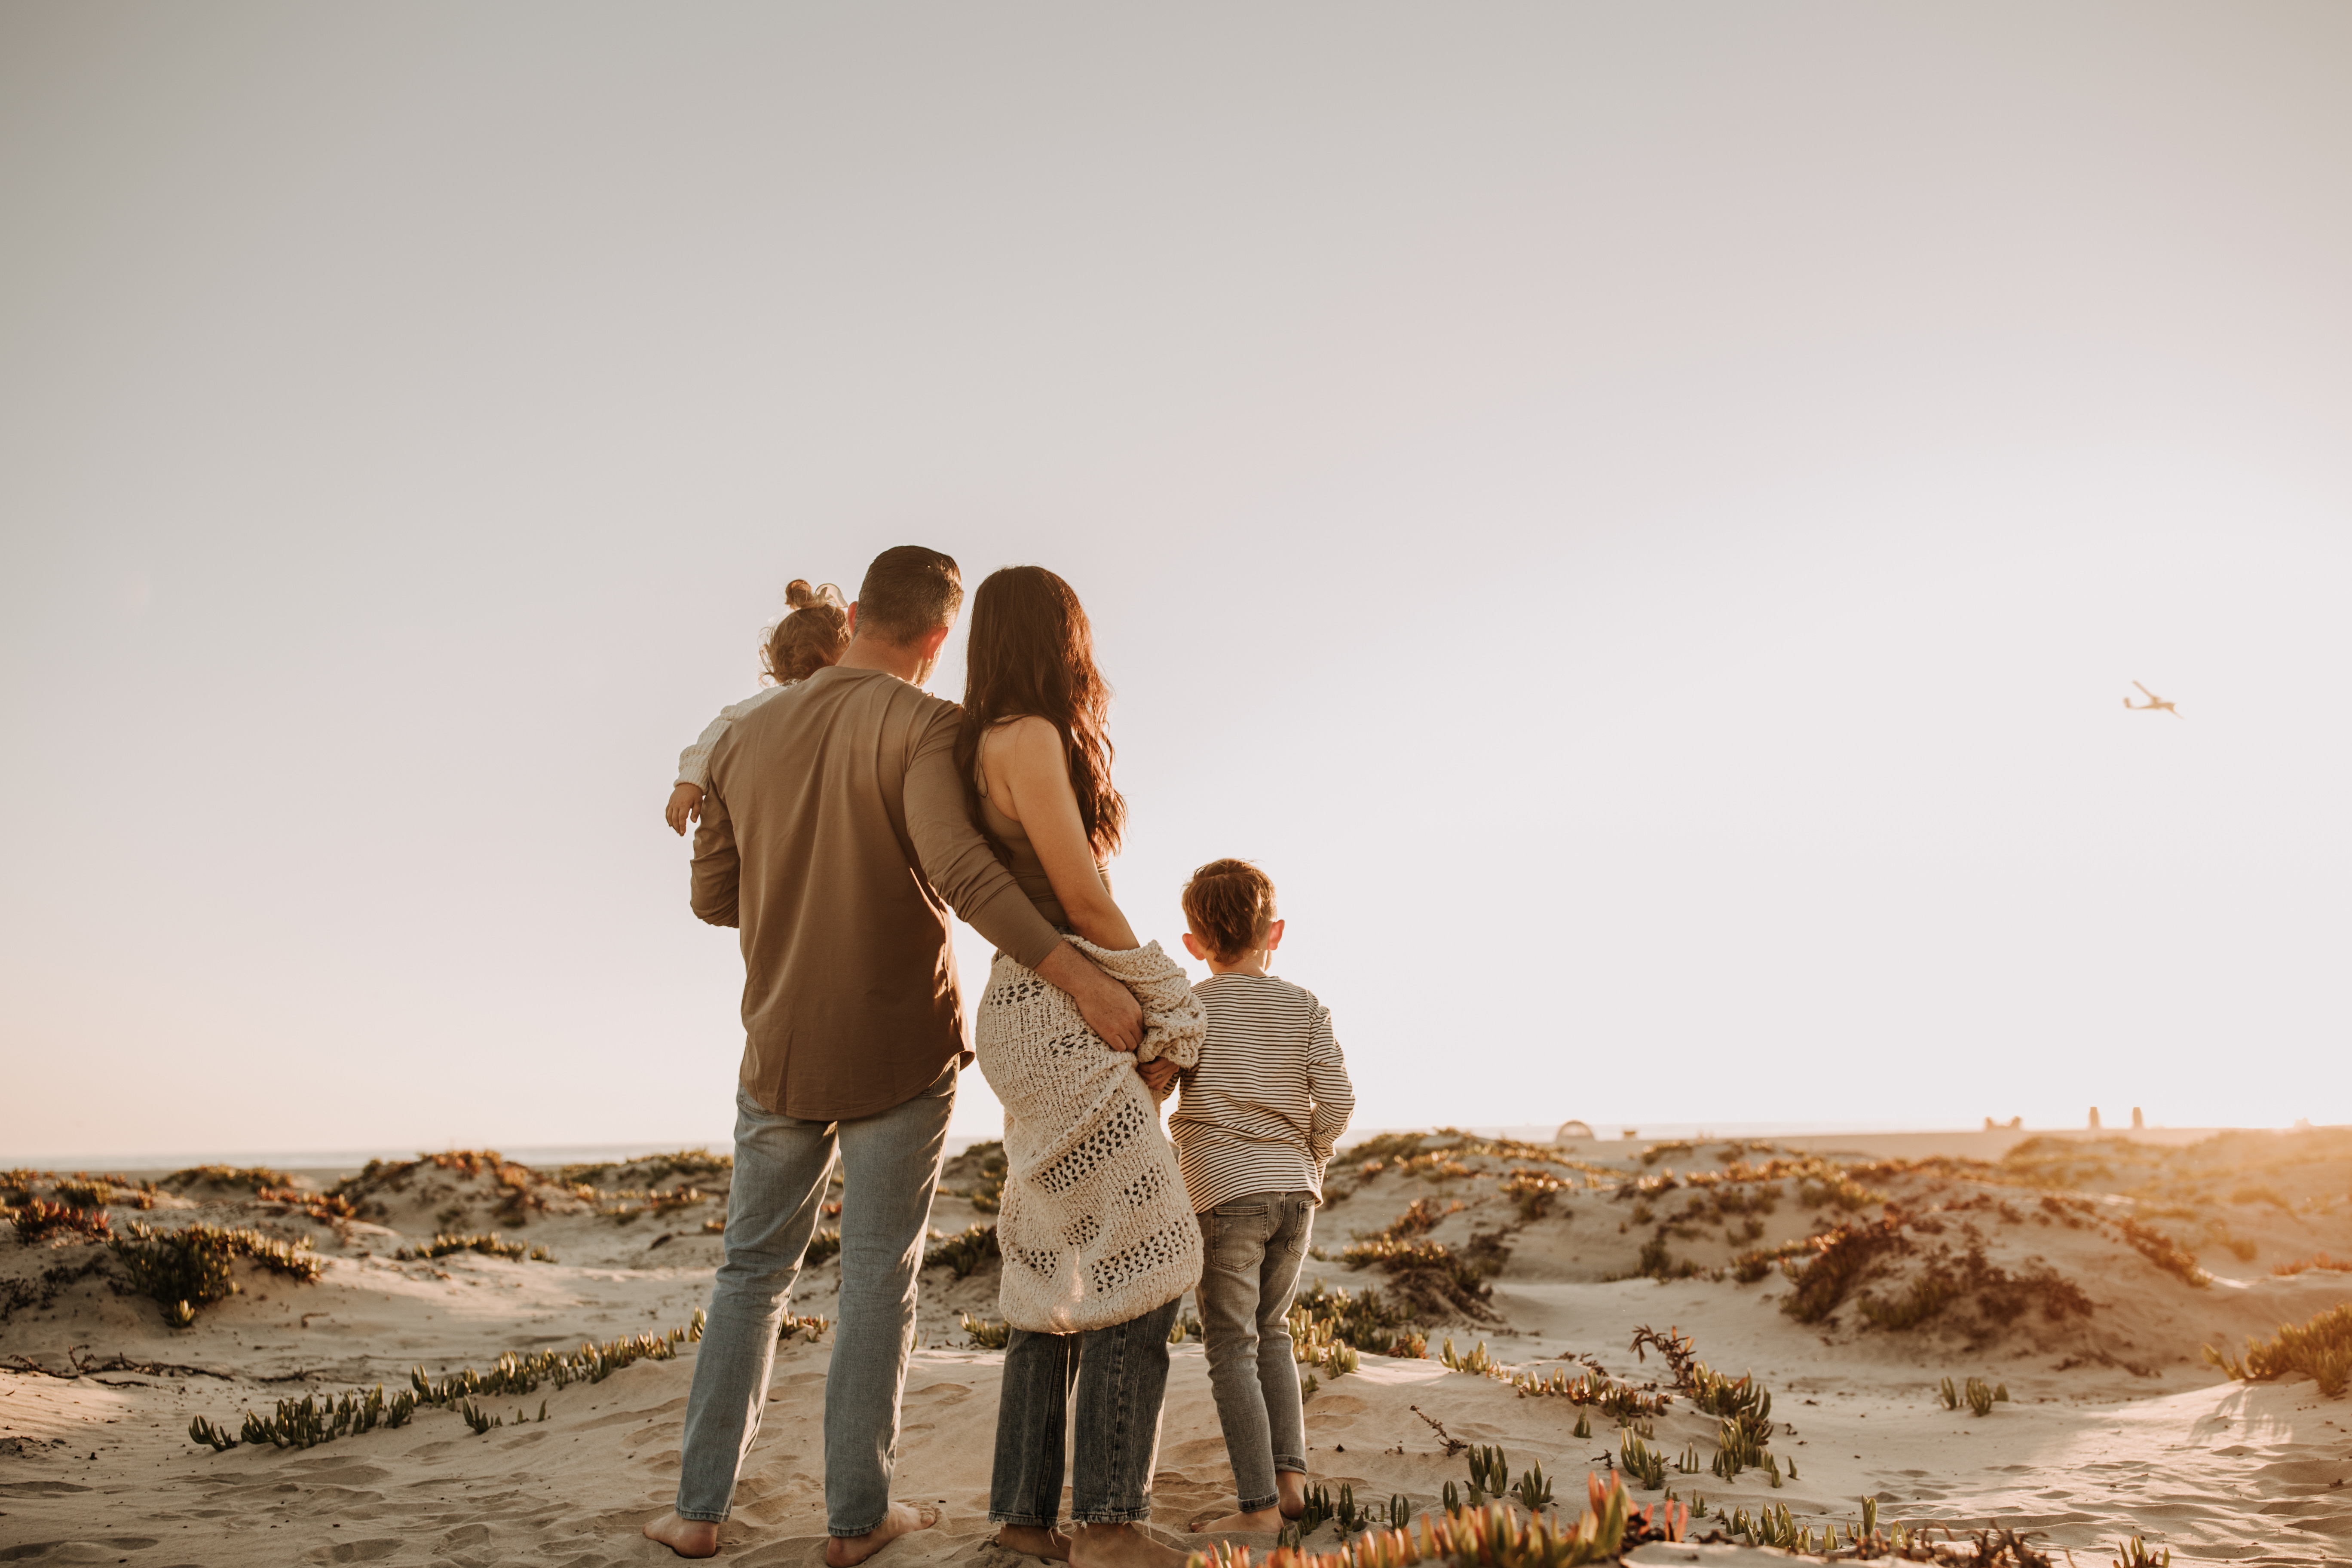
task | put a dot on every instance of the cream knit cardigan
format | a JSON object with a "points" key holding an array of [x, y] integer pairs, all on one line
{"points": [[1096, 1228]]}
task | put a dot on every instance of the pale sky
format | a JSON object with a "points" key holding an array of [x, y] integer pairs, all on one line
{"points": [[1641, 517]]}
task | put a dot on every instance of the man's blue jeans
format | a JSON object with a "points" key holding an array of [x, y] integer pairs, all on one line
{"points": [[890, 1167]]}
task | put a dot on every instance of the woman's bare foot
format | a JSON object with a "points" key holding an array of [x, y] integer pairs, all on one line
{"points": [[1292, 1485], [1265, 1519], [686, 1536], [1119, 1546], [1035, 1541], [848, 1551]]}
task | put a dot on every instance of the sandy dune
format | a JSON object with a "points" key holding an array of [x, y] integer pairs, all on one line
{"points": [[2115, 1426]]}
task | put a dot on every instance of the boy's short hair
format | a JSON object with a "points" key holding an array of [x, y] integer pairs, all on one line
{"points": [[1230, 907], [909, 591]]}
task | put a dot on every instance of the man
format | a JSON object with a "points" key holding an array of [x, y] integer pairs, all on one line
{"points": [[834, 836]]}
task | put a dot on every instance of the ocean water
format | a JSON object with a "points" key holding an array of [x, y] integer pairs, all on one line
{"points": [[549, 1155]]}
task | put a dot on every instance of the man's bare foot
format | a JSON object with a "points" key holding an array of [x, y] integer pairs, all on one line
{"points": [[1292, 1485], [686, 1536], [1265, 1519], [1035, 1541], [1119, 1546], [848, 1551]]}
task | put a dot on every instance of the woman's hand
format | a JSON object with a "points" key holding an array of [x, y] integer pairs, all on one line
{"points": [[1108, 1007], [1160, 1074]]}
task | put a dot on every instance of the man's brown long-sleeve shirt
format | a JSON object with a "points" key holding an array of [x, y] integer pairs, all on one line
{"points": [[835, 834]]}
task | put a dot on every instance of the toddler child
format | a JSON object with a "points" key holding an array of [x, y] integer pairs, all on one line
{"points": [[813, 634], [1260, 1113]]}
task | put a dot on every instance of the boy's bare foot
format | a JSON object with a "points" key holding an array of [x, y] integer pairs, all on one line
{"points": [[686, 1536], [1035, 1541], [1265, 1519], [1291, 1486], [848, 1551], [1119, 1546]]}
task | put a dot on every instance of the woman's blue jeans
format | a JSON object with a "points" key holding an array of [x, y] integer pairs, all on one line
{"points": [[890, 1167], [1121, 1377]]}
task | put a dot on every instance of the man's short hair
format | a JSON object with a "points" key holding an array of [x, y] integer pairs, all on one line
{"points": [[1230, 906], [909, 591]]}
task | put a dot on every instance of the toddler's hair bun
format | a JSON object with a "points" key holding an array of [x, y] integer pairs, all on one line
{"points": [[811, 634], [800, 595]]}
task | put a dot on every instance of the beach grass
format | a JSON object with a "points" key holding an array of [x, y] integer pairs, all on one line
{"points": [[2319, 1348]]}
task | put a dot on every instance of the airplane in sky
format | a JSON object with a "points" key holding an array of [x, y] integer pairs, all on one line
{"points": [[2153, 703]]}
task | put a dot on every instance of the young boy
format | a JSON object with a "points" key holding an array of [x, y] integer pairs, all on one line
{"points": [[1259, 1115]]}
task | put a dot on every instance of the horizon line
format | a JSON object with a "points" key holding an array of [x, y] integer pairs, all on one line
{"points": [[617, 1154]]}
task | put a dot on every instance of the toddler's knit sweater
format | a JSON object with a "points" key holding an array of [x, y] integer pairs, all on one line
{"points": [[694, 763]]}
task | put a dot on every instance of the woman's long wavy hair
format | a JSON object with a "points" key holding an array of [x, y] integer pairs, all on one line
{"points": [[1032, 652]]}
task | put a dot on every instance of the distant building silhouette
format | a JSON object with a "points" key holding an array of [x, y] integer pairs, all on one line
{"points": [[1572, 1132]]}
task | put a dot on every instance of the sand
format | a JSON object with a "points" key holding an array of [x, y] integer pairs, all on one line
{"points": [[2115, 1427]]}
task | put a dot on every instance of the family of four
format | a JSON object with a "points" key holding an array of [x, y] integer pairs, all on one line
{"points": [[840, 814]]}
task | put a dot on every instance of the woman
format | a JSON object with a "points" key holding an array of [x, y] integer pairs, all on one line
{"points": [[1098, 1238]]}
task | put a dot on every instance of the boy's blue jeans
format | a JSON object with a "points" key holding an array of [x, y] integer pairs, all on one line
{"points": [[1122, 1375], [1253, 1247], [890, 1167]]}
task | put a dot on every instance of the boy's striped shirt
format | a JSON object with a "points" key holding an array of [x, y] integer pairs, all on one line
{"points": [[1269, 1096]]}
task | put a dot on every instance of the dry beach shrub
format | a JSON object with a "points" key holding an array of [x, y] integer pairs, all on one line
{"points": [[647, 1172], [487, 1246], [465, 1177], [1429, 1275], [227, 1178], [2164, 1252], [1845, 1257], [36, 1222], [2319, 1261], [1533, 1191], [188, 1268], [2320, 1350], [984, 1166]]}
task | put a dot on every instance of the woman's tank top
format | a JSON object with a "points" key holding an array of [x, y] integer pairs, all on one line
{"points": [[1027, 869]]}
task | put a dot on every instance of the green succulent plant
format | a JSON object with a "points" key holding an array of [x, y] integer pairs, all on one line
{"points": [[1490, 1473], [963, 1252], [1493, 1535], [186, 1268], [309, 1421], [488, 1245], [1640, 1461]]}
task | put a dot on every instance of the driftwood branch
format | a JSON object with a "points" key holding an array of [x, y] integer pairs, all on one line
{"points": [[1452, 1445]]}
